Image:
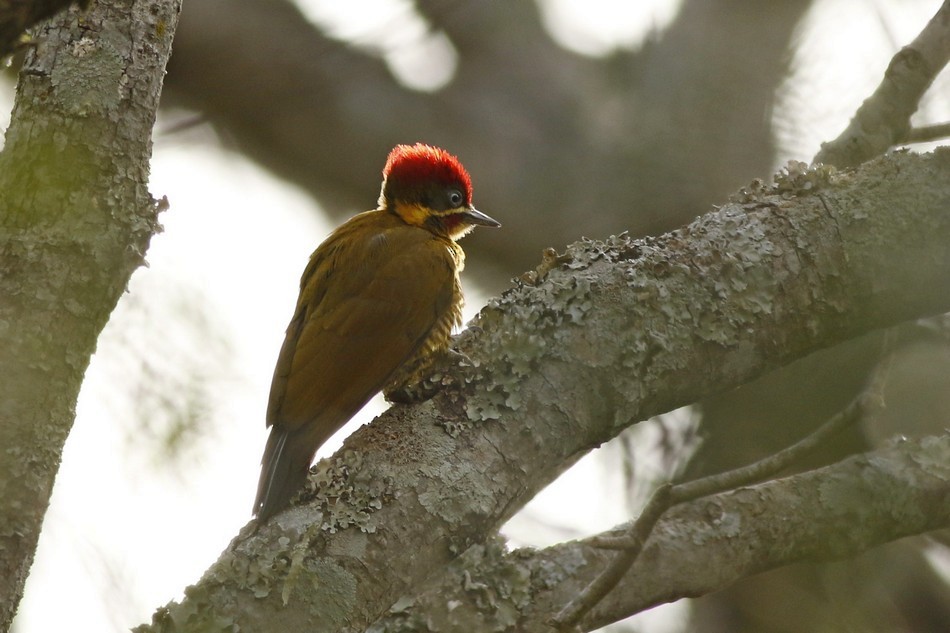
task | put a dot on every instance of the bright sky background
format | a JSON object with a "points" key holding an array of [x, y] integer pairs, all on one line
{"points": [[128, 530]]}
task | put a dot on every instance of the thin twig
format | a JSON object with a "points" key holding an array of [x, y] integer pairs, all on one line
{"points": [[884, 117], [927, 133], [666, 496]]}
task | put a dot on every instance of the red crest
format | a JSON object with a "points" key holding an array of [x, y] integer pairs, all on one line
{"points": [[411, 166]]}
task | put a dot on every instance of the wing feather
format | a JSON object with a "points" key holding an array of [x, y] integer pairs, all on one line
{"points": [[369, 300], [371, 296]]}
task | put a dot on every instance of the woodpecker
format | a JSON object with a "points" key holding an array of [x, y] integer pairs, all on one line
{"points": [[378, 301]]}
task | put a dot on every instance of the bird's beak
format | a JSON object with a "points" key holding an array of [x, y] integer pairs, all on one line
{"points": [[476, 217]]}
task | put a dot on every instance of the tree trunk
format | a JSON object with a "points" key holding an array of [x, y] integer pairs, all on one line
{"points": [[75, 221]]}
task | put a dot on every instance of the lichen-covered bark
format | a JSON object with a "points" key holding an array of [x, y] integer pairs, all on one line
{"points": [[75, 220], [598, 338], [699, 547]]}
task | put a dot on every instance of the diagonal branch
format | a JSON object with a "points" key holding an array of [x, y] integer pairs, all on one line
{"points": [[884, 118], [611, 333], [699, 547], [631, 542]]}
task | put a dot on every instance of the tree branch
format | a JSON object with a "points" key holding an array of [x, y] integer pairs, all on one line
{"points": [[75, 221], [633, 540], [884, 118], [834, 512], [611, 333], [927, 133]]}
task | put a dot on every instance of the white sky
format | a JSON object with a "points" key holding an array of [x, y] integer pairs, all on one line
{"points": [[125, 534]]}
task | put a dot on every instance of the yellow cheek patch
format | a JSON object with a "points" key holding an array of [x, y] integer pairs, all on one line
{"points": [[412, 213]]}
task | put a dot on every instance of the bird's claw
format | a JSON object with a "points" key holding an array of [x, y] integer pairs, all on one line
{"points": [[437, 377]]}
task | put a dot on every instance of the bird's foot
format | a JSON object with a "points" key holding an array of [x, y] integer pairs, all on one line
{"points": [[438, 376]]}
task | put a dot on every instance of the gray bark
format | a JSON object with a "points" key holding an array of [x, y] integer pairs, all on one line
{"points": [[75, 221], [601, 337], [697, 548]]}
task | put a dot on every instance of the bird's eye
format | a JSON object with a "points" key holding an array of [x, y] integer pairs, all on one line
{"points": [[455, 199]]}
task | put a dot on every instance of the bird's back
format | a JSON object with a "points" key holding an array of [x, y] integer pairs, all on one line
{"points": [[377, 296]]}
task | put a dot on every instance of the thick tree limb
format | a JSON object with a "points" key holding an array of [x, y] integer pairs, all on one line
{"points": [[608, 334], [631, 542], [75, 220], [697, 548], [759, 418]]}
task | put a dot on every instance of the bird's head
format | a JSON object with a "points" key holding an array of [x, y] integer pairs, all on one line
{"points": [[428, 187]]}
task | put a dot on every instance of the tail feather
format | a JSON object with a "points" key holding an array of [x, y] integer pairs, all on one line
{"points": [[283, 473]]}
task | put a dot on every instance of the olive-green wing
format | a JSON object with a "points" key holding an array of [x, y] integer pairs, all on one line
{"points": [[375, 302], [366, 307]]}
